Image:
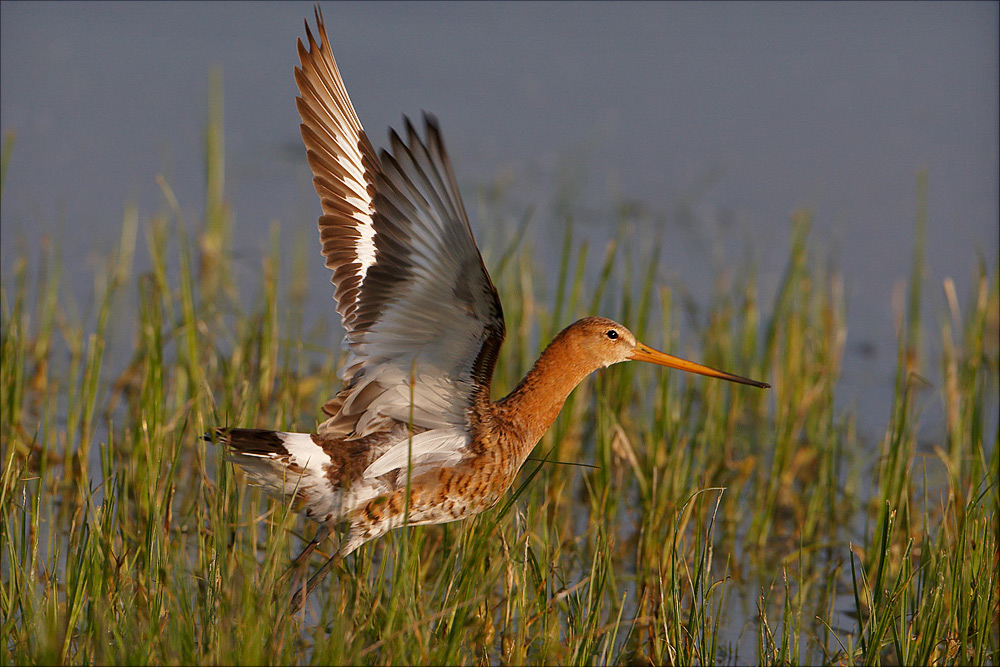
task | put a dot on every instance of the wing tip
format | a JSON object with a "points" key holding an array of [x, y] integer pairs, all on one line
{"points": [[431, 121]]}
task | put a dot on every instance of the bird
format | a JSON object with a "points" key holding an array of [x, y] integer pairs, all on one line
{"points": [[412, 437]]}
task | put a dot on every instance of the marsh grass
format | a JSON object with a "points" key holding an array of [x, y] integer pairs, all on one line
{"points": [[663, 519]]}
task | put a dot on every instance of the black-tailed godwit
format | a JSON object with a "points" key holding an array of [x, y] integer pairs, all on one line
{"points": [[423, 326]]}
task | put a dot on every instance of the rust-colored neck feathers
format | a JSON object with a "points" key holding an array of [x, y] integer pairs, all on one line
{"points": [[528, 411]]}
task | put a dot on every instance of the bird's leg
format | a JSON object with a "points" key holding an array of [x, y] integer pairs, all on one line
{"points": [[299, 598], [321, 534]]}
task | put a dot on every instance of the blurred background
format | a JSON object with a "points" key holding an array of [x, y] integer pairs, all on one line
{"points": [[702, 126]]}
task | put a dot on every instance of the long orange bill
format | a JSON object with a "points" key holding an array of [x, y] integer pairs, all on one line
{"points": [[646, 353]]}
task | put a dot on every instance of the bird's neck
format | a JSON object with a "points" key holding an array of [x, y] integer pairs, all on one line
{"points": [[535, 402]]}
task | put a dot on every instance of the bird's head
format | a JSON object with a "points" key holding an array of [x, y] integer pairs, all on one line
{"points": [[606, 342]]}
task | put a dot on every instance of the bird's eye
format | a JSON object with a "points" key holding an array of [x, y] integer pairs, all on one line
{"points": [[612, 334]]}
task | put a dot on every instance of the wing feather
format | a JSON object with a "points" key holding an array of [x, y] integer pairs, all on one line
{"points": [[423, 321]]}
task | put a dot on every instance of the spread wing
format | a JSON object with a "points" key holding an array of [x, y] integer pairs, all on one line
{"points": [[423, 321]]}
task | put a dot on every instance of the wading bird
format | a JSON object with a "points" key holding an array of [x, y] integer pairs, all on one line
{"points": [[412, 437]]}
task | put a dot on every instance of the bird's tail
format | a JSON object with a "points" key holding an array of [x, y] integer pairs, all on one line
{"points": [[288, 464], [249, 441]]}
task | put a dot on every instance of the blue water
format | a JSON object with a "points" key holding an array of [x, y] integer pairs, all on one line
{"points": [[718, 120]]}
